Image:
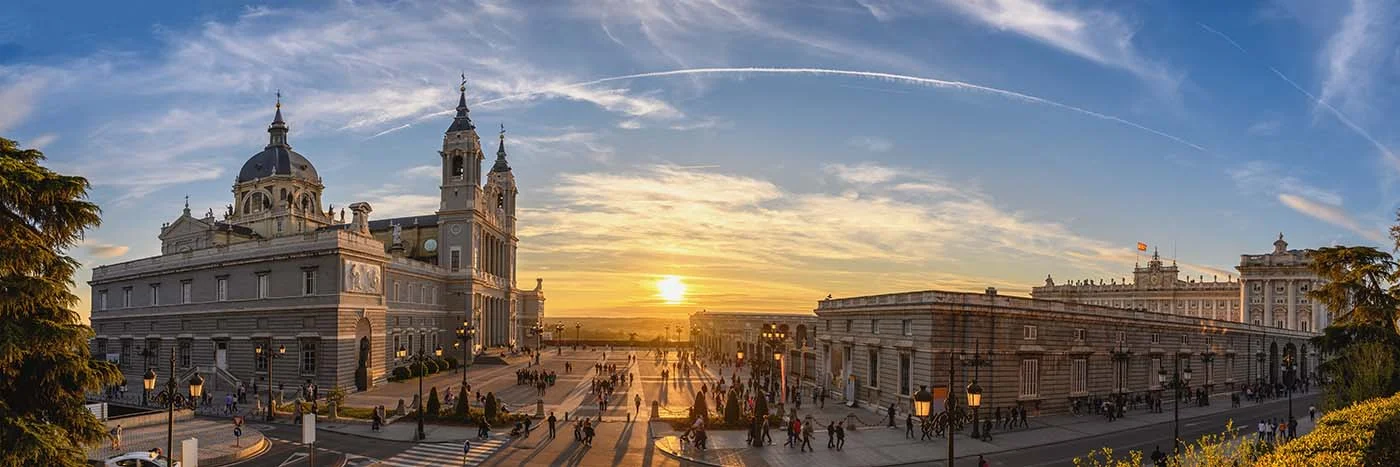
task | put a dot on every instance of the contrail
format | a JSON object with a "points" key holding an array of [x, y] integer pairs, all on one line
{"points": [[1222, 36], [891, 77], [391, 130]]}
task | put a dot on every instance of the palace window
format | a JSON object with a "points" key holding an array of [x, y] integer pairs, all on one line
{"points": [[183, 352], [1079, 376], [125, 361], [263, 285], [848, 325], [223, 288], [874, 326], [1079, 334], [1185, 339], [408, 347], [102, 300], [155, 294], [308, 356], [905, 362], [907, 327], [1279, 324], [874, 370], [152, 353], [422, 294], [102, 348], [308, 282], [1229, 368], [1122, 336], [457, 166], [1154, 338], [1210, 372], [455, 258], [1030, 377], [396, 291], [186, 291], [395, 349], [1120, 374], [1028, 332]]}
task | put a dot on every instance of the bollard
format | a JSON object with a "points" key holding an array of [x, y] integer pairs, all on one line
{"points": [[189, 453], [331, 411], [539, 408], [400, 410], [655, 409]]}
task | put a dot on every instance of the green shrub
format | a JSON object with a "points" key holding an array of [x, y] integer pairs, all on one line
{"points": [[431, 366], [491, 406], [441, 363], [416, 369], [459, 406], [400, 373], [1363, 434], [434, 405], [452, 362]]}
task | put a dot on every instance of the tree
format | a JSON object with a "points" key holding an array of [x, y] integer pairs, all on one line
{"points": [[434, 404], [1359, 284], [490, 409], [45, 365], [732, 411], [1361, 288], [461, 406], [700, 408]]}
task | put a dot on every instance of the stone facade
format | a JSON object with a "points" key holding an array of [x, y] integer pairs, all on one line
{"points": [[1277, 281], [1039, 354], [278, 271]]}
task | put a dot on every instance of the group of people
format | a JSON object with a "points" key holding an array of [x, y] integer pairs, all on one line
{"points": [[539, 379]]}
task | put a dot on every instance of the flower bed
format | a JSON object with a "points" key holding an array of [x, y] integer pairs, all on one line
{"points": [[1364, 434]]}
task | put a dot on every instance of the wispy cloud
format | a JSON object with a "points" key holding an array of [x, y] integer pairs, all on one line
{"points": [[1265, 128], [105, 250], [17, 97], [1360, 55], [1262, 177], [1222, 36], [871, 143], [1332, 214], [421, 172], [1100, 36], [864, 173]]}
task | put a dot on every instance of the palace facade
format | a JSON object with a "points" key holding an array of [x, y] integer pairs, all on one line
{"points": [[279, 269]]}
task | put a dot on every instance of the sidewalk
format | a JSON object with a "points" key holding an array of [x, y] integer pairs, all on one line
{"points": [[877, 445], [216, 441]]}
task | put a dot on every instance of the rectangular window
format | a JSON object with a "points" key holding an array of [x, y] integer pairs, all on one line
{"points": [[1210, 372], [432, 295], [874, 326], [455, 258], [848, 325], [1028, 332], [1185, 340], [410, 289], [1120, 374], [1152, 370], [126, 354], [183, 352], [223, 288], [904, 373], [308, 356], [1079, 334], [155, 294], [152, 352], [1122, 336], [396, 291], [102, 348], [1030, 377], [874, 375], [308, 282], [907, 327], [102, 300], [423, 294], [1079, 376], [263, 285], [186, 290], [1154, 338]]}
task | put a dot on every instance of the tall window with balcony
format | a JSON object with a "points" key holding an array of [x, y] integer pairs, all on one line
{"points": [[126, 297], [102, 300], [1079, 376], [308, 282], [874, 326], [223, 288], [186, 291], [183, 352], [155, 294], [1156, 366], [873, 378], [308, 356], [905, 373], [264, 286], [906, 327], [1030, 377]]}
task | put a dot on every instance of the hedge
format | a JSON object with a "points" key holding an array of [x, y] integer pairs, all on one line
{"points": [[1363, 434], [452, 362], [400, 373]]}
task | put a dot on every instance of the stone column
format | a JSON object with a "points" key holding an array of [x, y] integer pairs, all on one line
{"points": [[1292, 304], [1268, 317]]}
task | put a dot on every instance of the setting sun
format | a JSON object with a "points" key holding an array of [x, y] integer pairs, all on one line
{"points": [[671, 289]]}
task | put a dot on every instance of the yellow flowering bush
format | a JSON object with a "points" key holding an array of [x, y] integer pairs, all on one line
{"points": [[1363, 434]]}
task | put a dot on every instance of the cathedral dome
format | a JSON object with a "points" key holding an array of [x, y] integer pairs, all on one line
{"points": [[278, 158]]}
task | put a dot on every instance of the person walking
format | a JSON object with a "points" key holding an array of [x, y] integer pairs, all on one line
{"points": [[831, 435], [909, 426], [483, 428], [890, 414], [116, 434], [552, 421], [588, 433], [1312, 413], [528, 421], [982, 461], [1158, 457], [807, 435], [841, 436]]}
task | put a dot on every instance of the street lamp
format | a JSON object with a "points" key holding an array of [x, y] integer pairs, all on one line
{"points": [[172, 399], [465, 333], [419, 360], [559, 338], [260, 353], [920, 404], [148, 384], [739, 358], [774, 335], [538, 331], [148, 355], [1288, 367], [578, 332], [1181, 379], [976, 363]]}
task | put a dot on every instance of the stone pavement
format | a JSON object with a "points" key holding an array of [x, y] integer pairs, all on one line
{"points": [[217, 445], [878, 445]]}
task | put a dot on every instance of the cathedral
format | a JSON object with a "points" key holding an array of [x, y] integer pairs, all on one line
{"points": [[279, 269]]}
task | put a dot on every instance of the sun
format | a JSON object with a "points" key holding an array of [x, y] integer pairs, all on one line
{"points": [[671, 289]]}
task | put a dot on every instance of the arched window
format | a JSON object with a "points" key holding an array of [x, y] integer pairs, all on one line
{"points": [[500, 201], [457, 166], [257, 201]]}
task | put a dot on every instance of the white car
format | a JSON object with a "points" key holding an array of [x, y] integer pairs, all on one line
{"points": [[138, 459]]}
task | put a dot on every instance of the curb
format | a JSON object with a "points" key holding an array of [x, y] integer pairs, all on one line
{"points": [[249, 452], [681, 457]]}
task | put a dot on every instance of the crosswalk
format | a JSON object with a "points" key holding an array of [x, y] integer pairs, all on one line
{"points": [[445, 454]]}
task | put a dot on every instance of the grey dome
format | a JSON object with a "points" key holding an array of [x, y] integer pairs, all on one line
{"points": [[278, 160]]}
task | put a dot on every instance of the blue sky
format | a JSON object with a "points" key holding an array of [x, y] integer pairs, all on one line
{"points": [[772, 152]]}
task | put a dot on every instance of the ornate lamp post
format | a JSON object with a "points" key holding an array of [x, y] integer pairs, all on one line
{"points": [[419, 358], [1208, 359], [171, 399], [976, 363], [147, 355], [774, 335], [578, 333], [465, 333], [559, 338], [1180, 380], [1288, 367], [538, 331], [739, 358], [260, 353], [921, 403]]}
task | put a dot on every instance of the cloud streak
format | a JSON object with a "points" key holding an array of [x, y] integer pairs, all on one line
{"points": [[1331, 214]]}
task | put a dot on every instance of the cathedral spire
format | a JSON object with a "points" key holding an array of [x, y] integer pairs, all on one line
{"points": [[501, 165], [461, 122], [277, 131]]}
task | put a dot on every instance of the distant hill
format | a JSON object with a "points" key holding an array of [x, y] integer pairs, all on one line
{"points": [[619, 328]]}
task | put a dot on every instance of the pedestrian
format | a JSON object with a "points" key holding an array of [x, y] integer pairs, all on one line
{"points": [[807, 435], [1158, 456], [116, 434], [1292, 428], [552, 420], [909, 425], [982, 461], [831, 435], [587, 433], [767, 430], [841, 436], [890, 414], [483, 428], [793, 429], [527, 426], [1312, 413]]}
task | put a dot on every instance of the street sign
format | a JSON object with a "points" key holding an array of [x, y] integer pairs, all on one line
{"points": [[467, 447], [308, 428], [237, 432]]}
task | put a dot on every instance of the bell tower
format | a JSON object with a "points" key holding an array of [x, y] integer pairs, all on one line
{"points": [[461, 186]]}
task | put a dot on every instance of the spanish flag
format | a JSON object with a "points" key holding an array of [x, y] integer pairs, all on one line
{"points": [[1142, 246]]}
